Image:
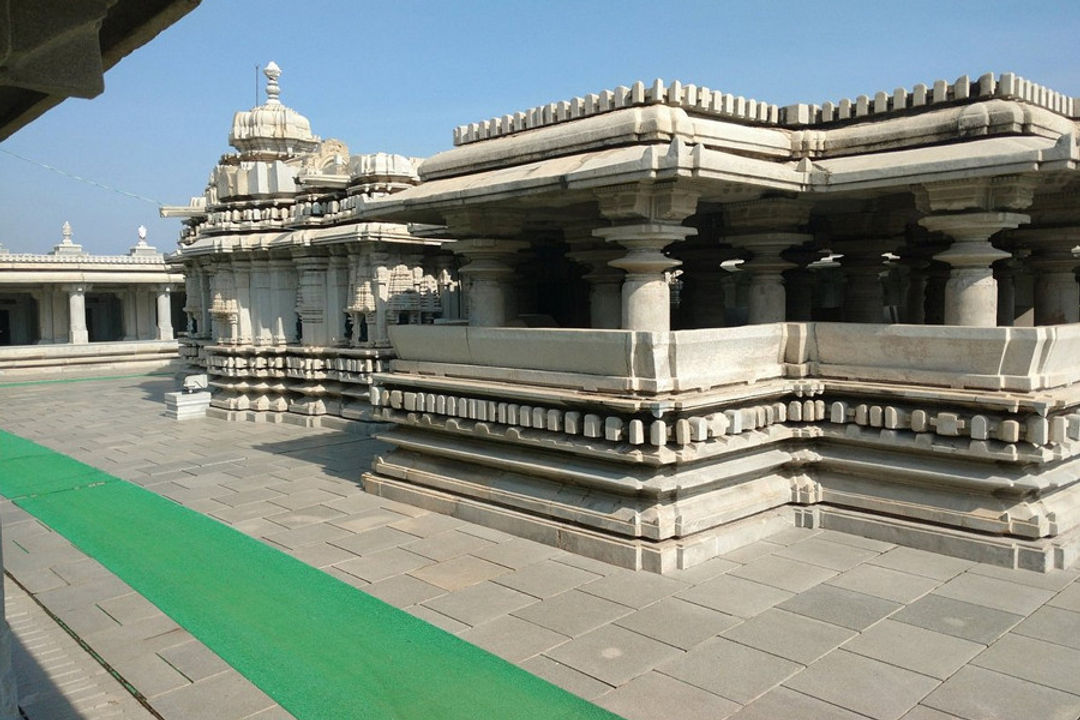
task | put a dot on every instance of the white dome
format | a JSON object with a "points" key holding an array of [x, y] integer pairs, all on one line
{"points": [[272, 128]]}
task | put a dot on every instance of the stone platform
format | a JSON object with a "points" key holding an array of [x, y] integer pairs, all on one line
{"points": [[810, 623]]}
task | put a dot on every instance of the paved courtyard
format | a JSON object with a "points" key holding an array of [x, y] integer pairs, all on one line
{"points": [[810, 624]]}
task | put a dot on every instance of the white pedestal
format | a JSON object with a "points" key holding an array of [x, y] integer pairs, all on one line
{"points": [[186, 406]]}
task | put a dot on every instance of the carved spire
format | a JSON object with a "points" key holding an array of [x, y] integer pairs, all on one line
{"points": [[273, 90], [66, 232]]}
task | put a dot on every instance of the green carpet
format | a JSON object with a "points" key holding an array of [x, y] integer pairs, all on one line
{"points": [[319, 647]]}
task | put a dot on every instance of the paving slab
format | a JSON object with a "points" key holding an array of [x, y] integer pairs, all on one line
{"points": [[513, 639], [654, 695], [735, 596], [634, 589], [459, 572], [924, 651], [977, 623], [566, 677], [975, 693], [838, 606], [835, 556], [613, 654], [729, 669], [1034, 660], [546, 578], [403, 590], [678, 622], [1069, 598], [573, 613], [784, 573], [783, 703], [480, 603], [885, 583], [795, 637], [991, 592], [921, 562], [1052, 624], [863, 685]]}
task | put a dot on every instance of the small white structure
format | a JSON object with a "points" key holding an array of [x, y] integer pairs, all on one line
{"points": [[68, 309]]}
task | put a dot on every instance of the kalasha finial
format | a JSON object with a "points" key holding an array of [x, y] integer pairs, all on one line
{"points": [[273, 90], [66, 231], [142, 234]]}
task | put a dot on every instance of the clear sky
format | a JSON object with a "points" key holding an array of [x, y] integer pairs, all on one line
{"points": [[398, 75]]}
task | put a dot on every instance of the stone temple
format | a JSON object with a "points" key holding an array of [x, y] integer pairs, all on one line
{"points": [[652, 324]]}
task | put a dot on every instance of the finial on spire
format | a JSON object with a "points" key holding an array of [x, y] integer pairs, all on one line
{"points": [[142, 234], [66, 231], [273, 90]]}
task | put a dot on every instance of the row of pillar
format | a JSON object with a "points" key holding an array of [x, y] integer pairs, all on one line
{"points": [[62, 314]]}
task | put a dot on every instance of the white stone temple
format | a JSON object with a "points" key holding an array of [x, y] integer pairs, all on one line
{"points": [[70, 309], [686, 321]]}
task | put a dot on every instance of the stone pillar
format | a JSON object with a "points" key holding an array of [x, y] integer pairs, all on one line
{"points": [[77, 333], [702, 300], [864, 295], [605, 281], [449, 287], [127, 301], [242, 281], [489, 268], [282, 315], [971, 291], [799, 284], [1057, 294], [311, 299], [337, 282], [1005, 275], [44, 300], [164, 313]]}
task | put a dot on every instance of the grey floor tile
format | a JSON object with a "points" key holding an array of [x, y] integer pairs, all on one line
{"points": [[954, 617], [403, 590], [975, 693], [516, 553], [753, 551], [878, 546], [311, 534], [727, 668], [546, 578], [459, 572], [1035, 660], [735, 596], [840, 607], [566, 677], [1055, 580], [792, 535], [991, 592], [194, 660], [306, 516], [915, 648], [678, 622], [704, 571], [922, 712], [480, 603], [790, 636], [1069, 598], [321, 554], [782, 703], [204, 699], [885, 583], [635, 589], [382, 564], [613, 654], [1052, 624], [863, 685], [653, 696], [513, 639], [784, 573], [447, 544], [573, 612], [427, 525], [835, 556], [437, 619], [921, 562]]}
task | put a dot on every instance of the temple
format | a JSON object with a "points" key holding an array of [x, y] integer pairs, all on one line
{"points": [[70, 310], [655, 323]]}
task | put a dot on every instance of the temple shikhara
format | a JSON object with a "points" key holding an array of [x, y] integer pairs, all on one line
{"points": [[653, 324]]}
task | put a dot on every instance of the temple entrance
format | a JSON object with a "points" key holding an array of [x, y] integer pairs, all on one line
{"points": [[104, 317]]}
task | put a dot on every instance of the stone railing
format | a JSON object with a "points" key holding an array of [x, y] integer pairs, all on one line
{"points": [[701, 100], [29, 258]]}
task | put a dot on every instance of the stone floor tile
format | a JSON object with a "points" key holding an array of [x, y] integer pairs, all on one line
{"points": [[863, 685], [193, 660], [446, 545], [89, 619], [368, 520], [885, 583], [878, 546], [546, 578], [565, 677], [373, 540], [635, 589], [427, 525], [306, 516], [459, 572], [382, 564], [129, 608], [228, 696], [515, 553], [652, 695], [977, 623], [513, 639], [678, 622], [244, 497], [479, 603], [357, 503], [921, 562], [573, 613], [321, 555], [233, 515], [1055, 580], [753, 551], [312, 534], [922, 712], [832, 555], [975, 693], [356, 582], [730, 669], [586, 563], [735, 596], [613, 654], [704, 571], [840, 607], [257, 527], [403, 590], [150, 674], [304, 498], [437, 619], [795, 637], [914, 648], [1034, 660], [792, 535], [275, 712], [1054, 625], [783, 573], [782, 703], [1068, 599], [991, 592]]}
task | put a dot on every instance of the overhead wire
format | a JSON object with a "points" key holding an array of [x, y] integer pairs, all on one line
{"points": [[88, 181]]}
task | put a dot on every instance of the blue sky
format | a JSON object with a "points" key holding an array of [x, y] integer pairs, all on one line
{"points": [[398, 76]]}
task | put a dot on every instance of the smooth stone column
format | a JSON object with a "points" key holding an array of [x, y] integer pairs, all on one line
{"points": [[605, 286], [1057, 294], [488, 271], [864, 295], [282, 318], [767, 298], [44, 300], [702, 298], [311, 299], [77, 333], [971, 291], [646, 295], [164, 314]]}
